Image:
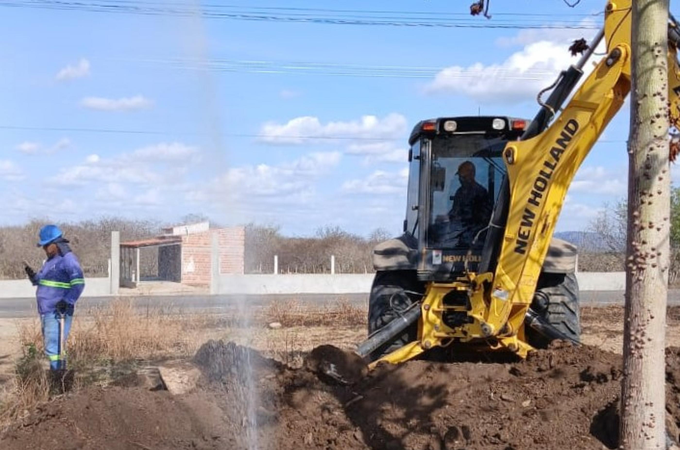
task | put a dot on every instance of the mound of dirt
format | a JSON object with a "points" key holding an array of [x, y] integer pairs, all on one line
{"points": [[561, 398], [120, 419]]}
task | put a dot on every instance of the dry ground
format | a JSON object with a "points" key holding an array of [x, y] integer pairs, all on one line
{"points": [[114, 402], [303, 327]]}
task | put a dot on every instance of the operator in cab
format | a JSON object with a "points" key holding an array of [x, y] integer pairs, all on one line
{"points": [[471, 203], [470, 212]]}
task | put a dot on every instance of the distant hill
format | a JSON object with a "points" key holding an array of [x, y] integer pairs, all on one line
{"points": [[583, 239]]}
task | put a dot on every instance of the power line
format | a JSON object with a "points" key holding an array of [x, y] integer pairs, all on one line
{"points": [[356, 18], [336, 69], [362, 11], [191, 133], [281, 139]]}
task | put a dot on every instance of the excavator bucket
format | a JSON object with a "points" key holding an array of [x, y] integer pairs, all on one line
{"points": [[335, 365]]}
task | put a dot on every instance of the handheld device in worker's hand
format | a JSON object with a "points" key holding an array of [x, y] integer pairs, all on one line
{"points": [[29, 271]]}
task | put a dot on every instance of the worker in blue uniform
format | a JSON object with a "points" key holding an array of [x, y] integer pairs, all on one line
{"points": [[59, 284]]}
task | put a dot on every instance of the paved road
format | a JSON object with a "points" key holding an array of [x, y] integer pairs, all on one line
{"points": [[25, 307]]}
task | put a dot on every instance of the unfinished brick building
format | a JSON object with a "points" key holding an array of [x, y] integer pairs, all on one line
{"points": [[184, 255]]}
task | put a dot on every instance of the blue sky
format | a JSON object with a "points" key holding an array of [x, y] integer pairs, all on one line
{"points": [[128, 115]]}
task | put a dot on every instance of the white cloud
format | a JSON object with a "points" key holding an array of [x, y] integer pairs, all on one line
{"points": [[575, 216], [141, 167], [379, 182], [598, 180], [309, 129], [10, 171], [385, 151], [16, 201], [675, 173], [151, 197], [558, 35], [165, 152], [71, 72], [28, 147], [36, 148], [66, 206], [62, 144], [287, 94], [375, 139], [289, 182], [135, 103], [522, 75], [111, 192]]}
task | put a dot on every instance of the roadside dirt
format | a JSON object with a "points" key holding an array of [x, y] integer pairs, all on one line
{"points": [[560, 398]]}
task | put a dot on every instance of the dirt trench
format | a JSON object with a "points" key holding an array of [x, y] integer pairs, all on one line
{"points": [[561, 398]]}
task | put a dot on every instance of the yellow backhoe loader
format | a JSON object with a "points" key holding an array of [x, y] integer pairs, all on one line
{"points": [[477, 267]]}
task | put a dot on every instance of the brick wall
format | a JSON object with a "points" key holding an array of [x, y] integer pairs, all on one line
{"points": [[196, 254]]}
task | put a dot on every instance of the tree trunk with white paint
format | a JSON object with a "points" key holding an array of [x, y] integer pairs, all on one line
{"points": [[643, 388]]}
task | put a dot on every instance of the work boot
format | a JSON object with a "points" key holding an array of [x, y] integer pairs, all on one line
{"points": [[61, 381]]}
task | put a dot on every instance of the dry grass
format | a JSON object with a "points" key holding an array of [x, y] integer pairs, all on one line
{"points": [[29, 387], [294, 313], [107, 335], [119, 333]]}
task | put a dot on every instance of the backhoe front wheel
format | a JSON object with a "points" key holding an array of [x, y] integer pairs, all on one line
{"points": [[557, 301], [392, 293]]}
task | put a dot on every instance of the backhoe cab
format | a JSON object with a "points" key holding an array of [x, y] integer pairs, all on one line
{"points": [[455, 176], [477, 267]]}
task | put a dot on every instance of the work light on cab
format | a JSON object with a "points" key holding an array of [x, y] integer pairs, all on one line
{"points": [[498, 124], [450, 126]]}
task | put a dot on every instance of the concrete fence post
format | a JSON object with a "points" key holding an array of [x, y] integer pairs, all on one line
{"points": [[276, 264], [332, 264], [114, 264], [138, 265]]}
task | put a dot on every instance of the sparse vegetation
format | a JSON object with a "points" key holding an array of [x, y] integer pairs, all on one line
{"points": [[353, 253], [294, 313], [119, 334], [92, 242], [609, 228]]}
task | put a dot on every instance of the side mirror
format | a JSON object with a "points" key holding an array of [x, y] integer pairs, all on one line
{"points": [[438, 178]]}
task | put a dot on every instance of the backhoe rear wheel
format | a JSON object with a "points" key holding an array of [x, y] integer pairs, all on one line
{"points": [[557, 301], [392, 292]]}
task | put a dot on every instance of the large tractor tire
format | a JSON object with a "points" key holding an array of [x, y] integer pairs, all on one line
{"points": [[557, 301], [392, 292]]}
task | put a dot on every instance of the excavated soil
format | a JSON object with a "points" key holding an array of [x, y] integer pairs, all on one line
{"points": [[560, 398]]}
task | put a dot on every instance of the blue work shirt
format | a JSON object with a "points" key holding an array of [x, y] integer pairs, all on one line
{"points": [[60, 278]]}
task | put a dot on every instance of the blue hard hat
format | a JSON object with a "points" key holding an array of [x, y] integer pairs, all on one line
{"points": [[49, 233]]}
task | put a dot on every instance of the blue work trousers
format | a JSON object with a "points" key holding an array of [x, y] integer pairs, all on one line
{"points": [[52, 338]]}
